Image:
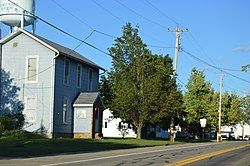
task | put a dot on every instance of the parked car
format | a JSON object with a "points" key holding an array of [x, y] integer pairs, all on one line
{"points": [[247, 137], [239, 137]]}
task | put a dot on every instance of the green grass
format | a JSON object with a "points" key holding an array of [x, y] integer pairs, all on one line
{"points": [[43, 147]]}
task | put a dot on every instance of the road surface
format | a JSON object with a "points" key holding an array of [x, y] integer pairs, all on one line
{"points": [[225, 153]]}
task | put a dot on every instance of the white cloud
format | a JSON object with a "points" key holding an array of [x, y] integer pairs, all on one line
{"points": [[242, 48]]}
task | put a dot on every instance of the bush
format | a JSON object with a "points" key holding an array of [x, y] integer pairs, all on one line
{"points": [[10, 122], [12, 134], [21, 134]]}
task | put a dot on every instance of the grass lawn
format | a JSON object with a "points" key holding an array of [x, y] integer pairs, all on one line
{"points": [[43, 147]]}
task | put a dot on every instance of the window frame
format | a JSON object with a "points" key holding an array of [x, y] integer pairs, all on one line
{"points": [[79, 74], [64, 72], [27, 111], [65, 113], [90, 80], [27, 68]]}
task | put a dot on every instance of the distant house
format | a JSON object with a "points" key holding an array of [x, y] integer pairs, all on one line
{"points": [[58, 86], [114, 127]]}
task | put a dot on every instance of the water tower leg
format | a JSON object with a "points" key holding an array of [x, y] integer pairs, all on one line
{"points": [[22, 20], [34, 27]]}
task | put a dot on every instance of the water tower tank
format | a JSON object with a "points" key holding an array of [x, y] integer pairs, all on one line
{"points": [[11, 14]]}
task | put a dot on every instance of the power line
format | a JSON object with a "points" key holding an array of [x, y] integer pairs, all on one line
{"points": [[81, 21], [118, 18], [149, 45], [136, 13], [181, 82], [63, 31], [98, 31], [215, 67], [121, 20], [54, 64], [161, 12], [200, 47]]}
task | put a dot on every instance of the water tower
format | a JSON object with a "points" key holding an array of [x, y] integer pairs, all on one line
{"points": [[17, 13]]}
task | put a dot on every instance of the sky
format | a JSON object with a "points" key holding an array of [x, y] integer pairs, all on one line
{"points": [[218, 32]]}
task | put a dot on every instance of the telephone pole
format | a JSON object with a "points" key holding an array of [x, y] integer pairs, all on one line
{"points": [[178, 32], [219, 138]]}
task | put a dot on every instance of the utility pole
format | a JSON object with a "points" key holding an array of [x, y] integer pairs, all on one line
{"points": [[178, 32], [219, 138]]}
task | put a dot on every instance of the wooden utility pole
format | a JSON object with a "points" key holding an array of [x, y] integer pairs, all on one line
{"points": [[178, 32], [219, 138]]}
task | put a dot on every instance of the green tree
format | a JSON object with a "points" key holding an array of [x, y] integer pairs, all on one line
{"points": [[11, 117], [105, 91], [245, 106], [232, 112], [245, 68], [142, 86], [199, 100]]}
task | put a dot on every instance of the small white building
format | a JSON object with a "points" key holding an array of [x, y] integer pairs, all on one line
{"points": [[114, 127]]}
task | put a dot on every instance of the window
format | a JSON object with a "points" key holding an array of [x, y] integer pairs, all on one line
{"points": [[81, 114], [106, 125], [96, 113], [66, 71], [120, 125], [32, 69], [78, 76], [90, 79], [30, 109], [65, 109]]}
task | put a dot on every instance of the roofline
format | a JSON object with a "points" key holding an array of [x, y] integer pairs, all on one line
{"points": [[83, 105], [98, 67], [20, 30]]}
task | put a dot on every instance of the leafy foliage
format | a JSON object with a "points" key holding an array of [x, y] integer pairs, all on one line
{"points": [[13, 121], [11, 117], [143, 89], [201, 101], [245, 68], [105, 91], [245, 106], [9, 95]]}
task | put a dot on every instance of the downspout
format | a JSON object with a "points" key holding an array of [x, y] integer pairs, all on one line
{"points": [[52, 96]]}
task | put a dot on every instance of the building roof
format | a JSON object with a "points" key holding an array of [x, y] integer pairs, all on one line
{"points": [[87, 98], [53, 46]]}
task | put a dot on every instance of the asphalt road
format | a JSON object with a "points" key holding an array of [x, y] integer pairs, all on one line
{"points": [[224, 153], [240, 157]]}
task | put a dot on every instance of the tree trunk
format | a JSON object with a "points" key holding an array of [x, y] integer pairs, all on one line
{"points": [[138, 136], [171, 136]]}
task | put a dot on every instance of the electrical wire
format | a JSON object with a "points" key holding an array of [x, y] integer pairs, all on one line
{"points": [[145, 18], [161, 12], [215, 67], [63, 31], [98, 31], [123, 21], [81, 21], [159, 46]]}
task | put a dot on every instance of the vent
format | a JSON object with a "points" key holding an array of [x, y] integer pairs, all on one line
{"points": [[15, 44]]}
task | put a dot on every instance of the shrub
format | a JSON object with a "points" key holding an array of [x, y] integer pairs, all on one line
{"points": [[10, 122]]}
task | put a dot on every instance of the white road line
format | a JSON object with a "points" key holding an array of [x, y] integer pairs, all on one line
{"points": [[124, 155]]}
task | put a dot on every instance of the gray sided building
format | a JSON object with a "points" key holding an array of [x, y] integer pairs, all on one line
{"points": [[55, 83]]}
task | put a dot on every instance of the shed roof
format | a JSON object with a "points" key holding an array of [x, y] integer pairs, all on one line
{"points": [[87, 98], [53, 46]]}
